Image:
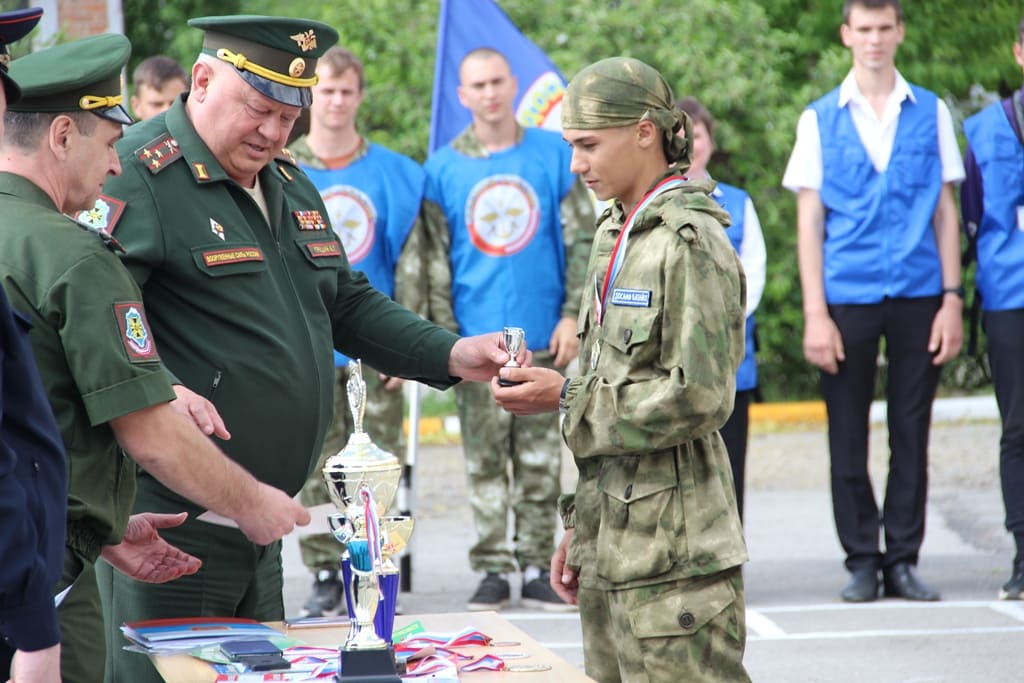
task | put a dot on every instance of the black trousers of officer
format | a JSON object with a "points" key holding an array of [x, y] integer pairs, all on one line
{"points": [[910, 390], [734, 433], [1004, 331]]}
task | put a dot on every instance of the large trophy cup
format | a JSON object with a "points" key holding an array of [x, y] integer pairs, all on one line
{"points": [[362, 480]]}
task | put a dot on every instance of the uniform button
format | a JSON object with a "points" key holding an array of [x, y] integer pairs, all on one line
{"points": [[35, 464], [686, 620], [629, 491], [627, 334]]}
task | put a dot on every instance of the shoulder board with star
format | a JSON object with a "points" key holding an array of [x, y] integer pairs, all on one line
{"points": [[159, 153]]}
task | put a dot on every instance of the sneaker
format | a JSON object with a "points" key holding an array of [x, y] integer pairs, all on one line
{"points": [[1015, 586], [539, 594], [492, 593], [326, 595]]}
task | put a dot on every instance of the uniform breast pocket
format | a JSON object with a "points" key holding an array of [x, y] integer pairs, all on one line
{"points": [[321, 253], [233, 259], [641, 519], [630, 338]]}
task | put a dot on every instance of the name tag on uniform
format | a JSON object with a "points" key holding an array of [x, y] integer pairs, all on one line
{"points": [[639, 298], [1020, 217]]}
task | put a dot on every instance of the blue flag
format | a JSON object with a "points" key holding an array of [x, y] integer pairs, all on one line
{"points": [[466, 25]]}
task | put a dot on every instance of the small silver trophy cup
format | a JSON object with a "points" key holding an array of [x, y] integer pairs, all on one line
{"points": [[362, 480], [514, 338]]}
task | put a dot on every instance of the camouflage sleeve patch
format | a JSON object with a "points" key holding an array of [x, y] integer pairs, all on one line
{"points": [[134, 332], [159, 153]]}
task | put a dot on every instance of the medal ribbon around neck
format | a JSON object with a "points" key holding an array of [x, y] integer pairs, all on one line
{"points": [[618, 256]]}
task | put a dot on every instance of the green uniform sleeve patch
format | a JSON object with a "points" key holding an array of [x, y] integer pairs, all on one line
{"points": [[103, 215], [159, 153], [135, 334]]}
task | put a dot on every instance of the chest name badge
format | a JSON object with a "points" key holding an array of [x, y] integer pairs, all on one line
{"points": [[638, 298], [221, 257], [135, 335], [323, 249], [310, 220]]}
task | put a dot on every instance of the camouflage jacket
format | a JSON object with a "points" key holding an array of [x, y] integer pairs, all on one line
{"points": [[655, 500], [577, 215], [410, 267]]}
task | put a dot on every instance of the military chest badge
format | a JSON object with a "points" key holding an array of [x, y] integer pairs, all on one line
{"points": [[217, 229], [310, 220], [135, 335], [103, 215]]}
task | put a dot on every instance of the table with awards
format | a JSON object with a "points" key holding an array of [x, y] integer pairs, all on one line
{"points": [[530, 662]]}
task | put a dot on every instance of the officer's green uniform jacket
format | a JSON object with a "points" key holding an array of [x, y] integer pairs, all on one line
{"points": [[93, 347], [247, 313], [655, 500]]}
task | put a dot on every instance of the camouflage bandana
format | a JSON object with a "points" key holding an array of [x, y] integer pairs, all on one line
{"points": [[621, 91]]}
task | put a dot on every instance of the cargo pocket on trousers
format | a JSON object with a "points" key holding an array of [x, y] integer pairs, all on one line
{"points": [[682, 611], [640, 519]]}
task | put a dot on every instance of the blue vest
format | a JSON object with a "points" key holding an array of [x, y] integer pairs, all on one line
{"points": [[1000, 157], [372, 204], [507, 251], [734, 200], [879, 240]]}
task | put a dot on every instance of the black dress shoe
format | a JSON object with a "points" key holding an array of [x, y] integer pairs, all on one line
{"points": [[901, 582], [863, 586]]}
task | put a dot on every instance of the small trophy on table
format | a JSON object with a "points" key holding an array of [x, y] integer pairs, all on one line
{"points": [[514, 338], [362, 480]]}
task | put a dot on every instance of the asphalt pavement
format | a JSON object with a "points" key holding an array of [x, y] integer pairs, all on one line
{"points": [[798, 628]]}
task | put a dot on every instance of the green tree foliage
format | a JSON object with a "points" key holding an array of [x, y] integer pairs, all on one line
{"points": [[755, 65]]}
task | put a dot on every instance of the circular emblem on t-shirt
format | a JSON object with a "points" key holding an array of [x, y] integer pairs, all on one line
{"points": [[354, 219], [502, 214]]}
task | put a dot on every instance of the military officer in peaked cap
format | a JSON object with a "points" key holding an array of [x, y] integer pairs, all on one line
{"points": [[33, 477], [95, 348], [248, 289]]}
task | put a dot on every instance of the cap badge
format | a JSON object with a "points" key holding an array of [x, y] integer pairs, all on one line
{"points": [[305, 40], [297, 67]]}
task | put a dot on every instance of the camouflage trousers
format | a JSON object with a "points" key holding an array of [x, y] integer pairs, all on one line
{"points": [[510, 462], [692, 630], [382, 421]]}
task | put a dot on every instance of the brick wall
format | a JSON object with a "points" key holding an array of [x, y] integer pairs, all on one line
{"points": [[81, 18]]}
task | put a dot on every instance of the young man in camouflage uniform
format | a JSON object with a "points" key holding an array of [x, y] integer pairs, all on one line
{"points": [[512, 227], [653, 543], [373, 197]]}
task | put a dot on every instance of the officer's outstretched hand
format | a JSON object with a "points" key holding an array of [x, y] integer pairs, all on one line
{"points": [[145, 556], [272, 514], [538, 390], [478, 358]]}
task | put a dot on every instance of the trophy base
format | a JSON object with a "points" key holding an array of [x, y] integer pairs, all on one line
{"points": [[502, 382], [368, 666]]}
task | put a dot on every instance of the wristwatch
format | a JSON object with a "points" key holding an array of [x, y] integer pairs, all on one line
{"points": [[561, 397], [958, 290]]}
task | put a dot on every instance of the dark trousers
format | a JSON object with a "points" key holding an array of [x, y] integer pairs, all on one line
{"points": [[734, 434], [910, 390], [1004, 331]]}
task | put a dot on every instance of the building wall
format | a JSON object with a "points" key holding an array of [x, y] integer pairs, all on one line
{"points": [[71, 19]]}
